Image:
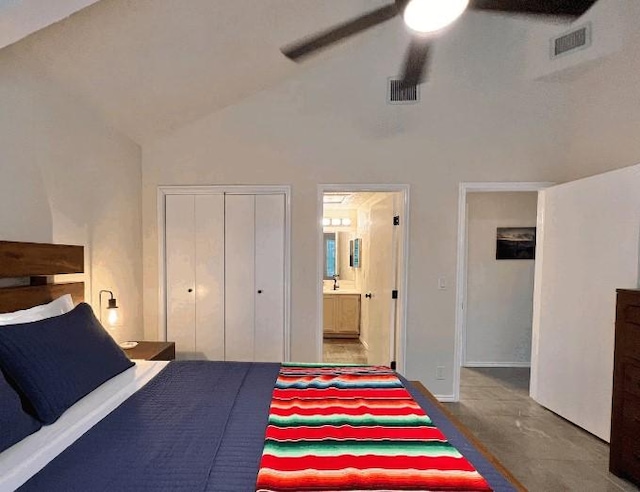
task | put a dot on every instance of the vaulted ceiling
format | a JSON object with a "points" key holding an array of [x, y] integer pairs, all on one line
{"points": [[19, 18], [153, 65]]}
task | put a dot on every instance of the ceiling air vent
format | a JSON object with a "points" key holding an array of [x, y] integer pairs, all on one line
{"points": [[577, 39], [399, 94]]}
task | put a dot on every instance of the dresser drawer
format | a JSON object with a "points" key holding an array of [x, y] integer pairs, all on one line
{"points": [[631, 458], [631, 381], [631, 417], [628, 340], [631, 314]]}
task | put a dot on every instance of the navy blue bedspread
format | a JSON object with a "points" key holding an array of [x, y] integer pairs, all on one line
{"points": [[197, 426]]}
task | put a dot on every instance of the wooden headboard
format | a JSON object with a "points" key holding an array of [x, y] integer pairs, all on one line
{"points": [[38, 261]]}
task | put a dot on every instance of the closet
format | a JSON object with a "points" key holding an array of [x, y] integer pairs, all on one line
{"points": [[225, 275]]}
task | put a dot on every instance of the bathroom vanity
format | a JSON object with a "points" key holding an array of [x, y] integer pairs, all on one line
{"points": [[341, 314]]}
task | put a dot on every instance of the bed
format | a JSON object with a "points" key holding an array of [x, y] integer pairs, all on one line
{"points": [[210, 426]]}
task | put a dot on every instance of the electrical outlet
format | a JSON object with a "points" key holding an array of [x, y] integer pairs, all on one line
{"points": [[440, 373]]}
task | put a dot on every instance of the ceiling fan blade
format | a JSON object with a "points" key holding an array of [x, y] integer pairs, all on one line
{"points": [[331, 36], [560, 8], [415, 62]]}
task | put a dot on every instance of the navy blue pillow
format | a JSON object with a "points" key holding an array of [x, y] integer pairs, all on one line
{"points": [[56, 361], [15, 423]]}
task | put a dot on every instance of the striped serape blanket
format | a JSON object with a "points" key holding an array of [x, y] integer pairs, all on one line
{"points": [[334, 428]]}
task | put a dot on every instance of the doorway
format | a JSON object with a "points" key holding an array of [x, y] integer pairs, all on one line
{"points": [[362, 274], [494, 292]]}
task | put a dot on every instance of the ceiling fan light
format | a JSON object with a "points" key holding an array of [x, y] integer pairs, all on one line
{"points": [[427, 16]]}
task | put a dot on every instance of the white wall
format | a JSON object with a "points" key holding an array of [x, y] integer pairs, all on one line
{"points": [[589, 244], [478, 120], [606, 21], [499, 292], [603, 127], [65, 177]]}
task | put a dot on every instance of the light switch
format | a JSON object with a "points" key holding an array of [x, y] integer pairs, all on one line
{"points": [[442, 283]]}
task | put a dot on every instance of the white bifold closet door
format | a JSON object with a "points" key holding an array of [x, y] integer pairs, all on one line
{"points": [[254, 279], [225, 276], [194, 244]]}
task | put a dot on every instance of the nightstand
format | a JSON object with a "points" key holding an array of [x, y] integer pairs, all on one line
{"points": [[152, 351]]}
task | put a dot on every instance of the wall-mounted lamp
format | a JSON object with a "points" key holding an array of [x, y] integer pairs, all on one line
{"points": [[112, 308]]}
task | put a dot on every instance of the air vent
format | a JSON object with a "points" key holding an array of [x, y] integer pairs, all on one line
{"points": [[399, 94], [576, 40]]}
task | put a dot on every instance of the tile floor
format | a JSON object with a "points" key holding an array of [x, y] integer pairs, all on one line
{"points": [[343, 351], [542, 450]]}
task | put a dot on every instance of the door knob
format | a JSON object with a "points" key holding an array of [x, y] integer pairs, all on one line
{"points": [[369, 295], [190, 290], [260, 291]]}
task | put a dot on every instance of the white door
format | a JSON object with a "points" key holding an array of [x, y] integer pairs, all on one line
{"points": [[225, 276], [381, 282], [254, 283], [194, 246], [240, 277], [588, 244], [269, 287], [209, 276], [180, 273]]}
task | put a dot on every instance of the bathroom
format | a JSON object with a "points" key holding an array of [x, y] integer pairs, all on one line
{"points": [[361, 248]]}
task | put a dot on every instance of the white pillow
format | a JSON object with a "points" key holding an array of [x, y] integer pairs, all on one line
{"points": [[61, 305]]}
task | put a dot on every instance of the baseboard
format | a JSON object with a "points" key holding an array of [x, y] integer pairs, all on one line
{"points": [[364, 344], [445, 398], [496, 364]]}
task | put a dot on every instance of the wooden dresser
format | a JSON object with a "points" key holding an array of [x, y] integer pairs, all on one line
{"points": [[625, 418]]}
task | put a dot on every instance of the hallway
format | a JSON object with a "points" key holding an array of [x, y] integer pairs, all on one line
{"points": [[541, 449]]}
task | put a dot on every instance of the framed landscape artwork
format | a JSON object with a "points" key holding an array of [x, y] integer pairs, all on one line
{"points": [[355, 245], [516, 243]]}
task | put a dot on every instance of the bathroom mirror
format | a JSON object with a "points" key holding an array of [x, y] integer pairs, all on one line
{"points": [[337, 256]]}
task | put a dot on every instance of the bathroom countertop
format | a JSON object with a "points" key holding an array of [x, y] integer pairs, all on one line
{"points": [[341, 291]]}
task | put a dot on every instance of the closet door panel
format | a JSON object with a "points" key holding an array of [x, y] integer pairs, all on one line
{"points": [[239, 277], [180, 273], [209, 276], [269, 264]]}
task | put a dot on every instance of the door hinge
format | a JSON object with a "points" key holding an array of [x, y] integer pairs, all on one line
{"points": [[394, 294], [393, 365], [396, 220]]}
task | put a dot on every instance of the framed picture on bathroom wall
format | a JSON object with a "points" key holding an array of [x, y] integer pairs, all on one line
{"points": [[355, 247]]}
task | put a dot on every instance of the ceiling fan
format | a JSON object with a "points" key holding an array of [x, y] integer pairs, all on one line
{"points": [[425, 18]]}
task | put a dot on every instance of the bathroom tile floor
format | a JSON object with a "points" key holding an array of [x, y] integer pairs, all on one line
{"points": [[542, 450], [343, 351]]}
